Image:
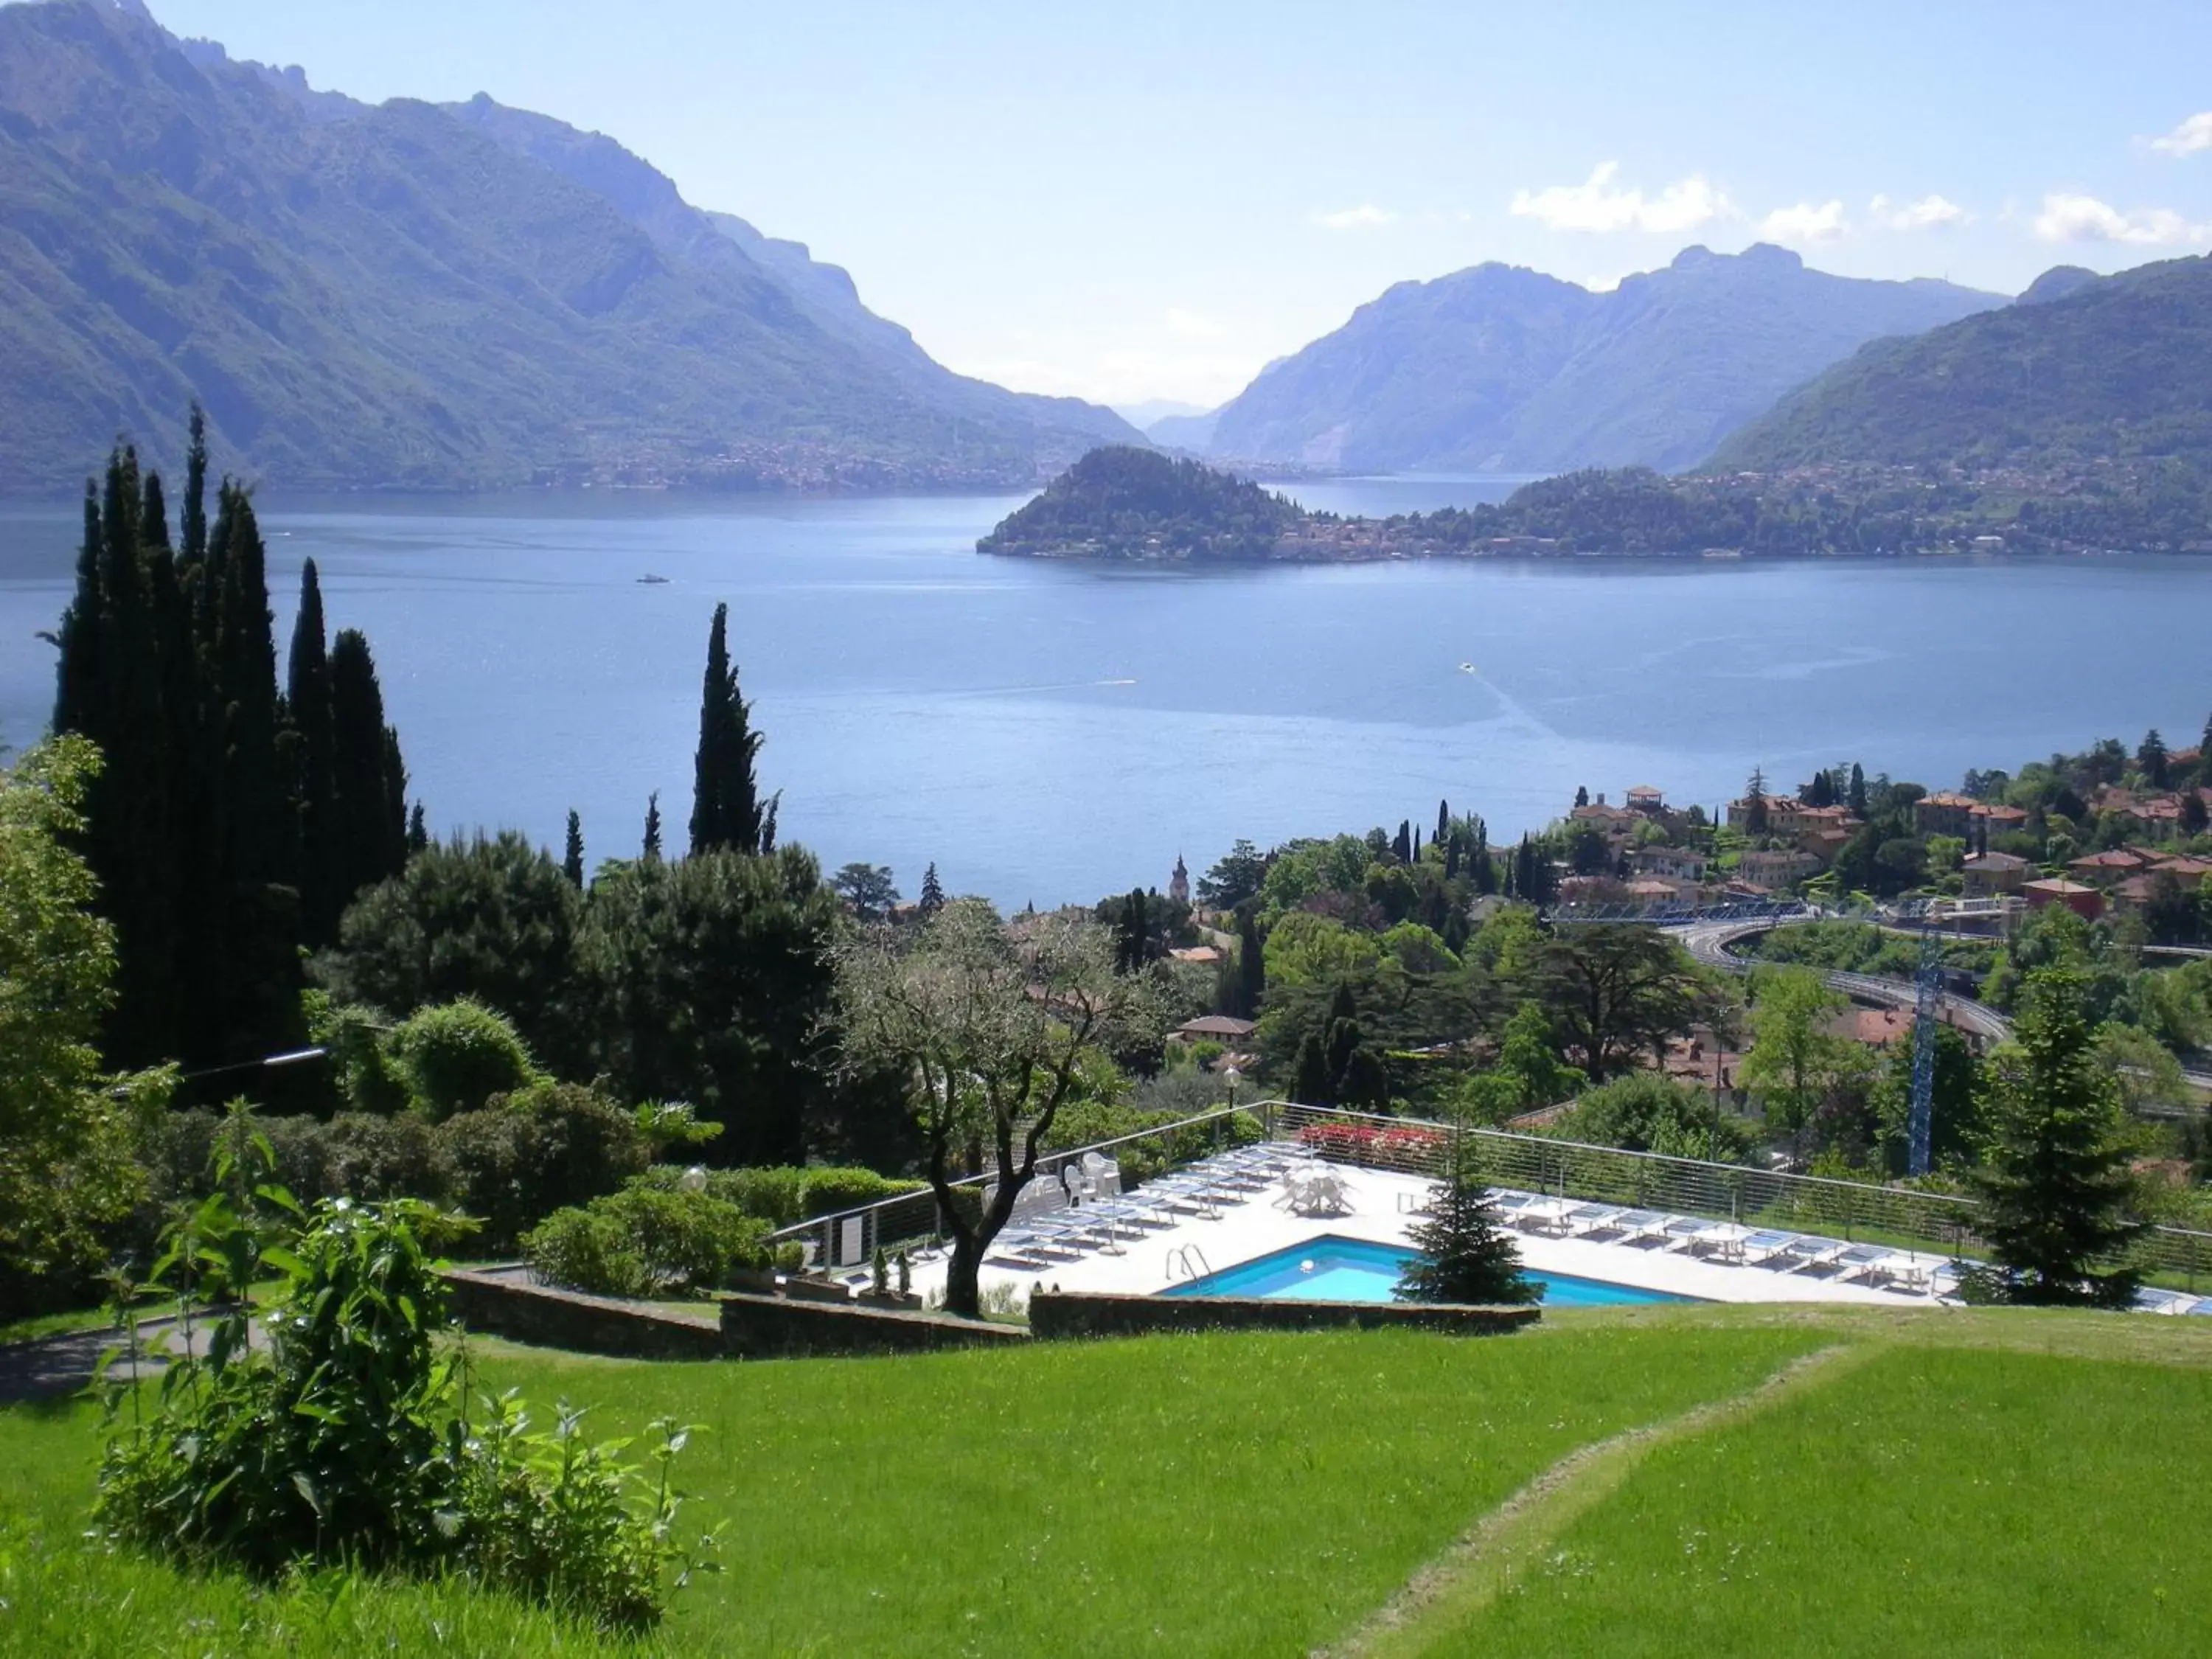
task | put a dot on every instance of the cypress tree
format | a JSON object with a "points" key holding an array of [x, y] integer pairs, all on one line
{"points": [[418, 832], [1251, 966], [652, 826], [571, 855], [1444, 822], [307, 704], [725, 804], [368, 784], [195, 524], [1401, 844], [1134, 947], [1858, 792], [933, 894]]}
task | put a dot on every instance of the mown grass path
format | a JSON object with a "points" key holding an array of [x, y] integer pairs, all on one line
{"points": [[1448, 1592]]}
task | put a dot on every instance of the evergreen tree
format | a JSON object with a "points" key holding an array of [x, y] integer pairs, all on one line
{"points": [[1465, 1256], [307, 709], [571, 856], [1133, 944], [1754, 803], [368, 783], [1444, 823], [2151, 759], [933, 894], [2055, 1180], [726, 806], [1251, 967], [652, 826], [1858, 792], [1582, 794], [418, 832], [1401, 844]]}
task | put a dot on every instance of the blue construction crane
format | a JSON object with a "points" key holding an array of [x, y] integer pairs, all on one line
{"points": [[1928, 1004]]}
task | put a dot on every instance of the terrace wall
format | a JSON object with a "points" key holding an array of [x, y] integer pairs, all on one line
{"points": [[567, 1319], [765, 1326], [1061, 1314]]}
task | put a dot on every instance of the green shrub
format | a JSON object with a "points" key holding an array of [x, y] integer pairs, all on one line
{"points": [[455, 1057], [345, 1441], [372, 1158], [588, 1250], [647, 1240], [536, 1150]]}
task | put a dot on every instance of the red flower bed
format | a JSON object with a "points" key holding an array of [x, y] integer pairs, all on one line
{"points": [[1388, 1145]]}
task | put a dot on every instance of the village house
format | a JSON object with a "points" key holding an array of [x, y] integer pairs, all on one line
{"points": [[1986, 875], [1776, 869], [1944, 814], [1643, 799], [2084, 902], [1995, 818], [1668, 863], [2105, 868]]}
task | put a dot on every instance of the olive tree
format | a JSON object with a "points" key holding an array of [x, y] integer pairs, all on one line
{"points": [[991, 1025]]}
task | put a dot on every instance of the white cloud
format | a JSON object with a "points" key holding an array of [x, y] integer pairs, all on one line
{"points": [[2067, 218], [1929, 213], [1599, 206], [1193, 325], [1805, 223], [1365, 216], [2192, 135]]}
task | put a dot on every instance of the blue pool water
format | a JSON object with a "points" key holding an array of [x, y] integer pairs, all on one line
{"points": [[1333, 1269]]}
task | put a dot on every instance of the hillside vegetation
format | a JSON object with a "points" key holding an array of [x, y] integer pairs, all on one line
{"points": [[408, 296], [1121, 502], [1504, 369], [2085, 369]]}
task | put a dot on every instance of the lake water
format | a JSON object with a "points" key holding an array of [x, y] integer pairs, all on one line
{"points": [[1048, 731]]}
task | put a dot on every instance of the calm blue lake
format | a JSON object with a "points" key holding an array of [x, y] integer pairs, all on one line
{"points": [[1046, 731]]}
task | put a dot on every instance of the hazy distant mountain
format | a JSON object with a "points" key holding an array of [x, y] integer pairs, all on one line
{"points": [[1188, 432], [433, 297], [1500, 368], [1141, 416], [2081, 368]]}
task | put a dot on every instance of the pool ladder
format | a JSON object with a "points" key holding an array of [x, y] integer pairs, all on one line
{"points": [[1194, 1265]]}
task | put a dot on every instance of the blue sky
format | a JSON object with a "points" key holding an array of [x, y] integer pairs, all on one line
{"points": [[1151, 200]]}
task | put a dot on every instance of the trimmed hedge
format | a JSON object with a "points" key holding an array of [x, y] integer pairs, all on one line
{"points": [[785, 1194], [644, 1241]]}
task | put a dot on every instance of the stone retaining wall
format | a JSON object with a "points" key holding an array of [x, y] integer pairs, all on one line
{"points": [[1061, 1314], [567, 1319], [759, 1326]]}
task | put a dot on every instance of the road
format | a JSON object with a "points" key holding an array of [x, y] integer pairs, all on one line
{"points": [[1710, 942]]}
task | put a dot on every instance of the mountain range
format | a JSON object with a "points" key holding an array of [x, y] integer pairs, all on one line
{"points": [[418, 296], [1503, 369], [2081, 369]]}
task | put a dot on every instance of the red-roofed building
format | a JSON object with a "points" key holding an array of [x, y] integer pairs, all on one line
{"points": [[2108, 867], [2084, 902], [1944, 814]]}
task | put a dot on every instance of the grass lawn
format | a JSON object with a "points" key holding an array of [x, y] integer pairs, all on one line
{"points": [[1921, 1481], [1224, 1494], [1962, 1501]]}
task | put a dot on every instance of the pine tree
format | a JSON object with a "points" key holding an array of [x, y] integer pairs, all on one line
{"points": [[307, 710], [933, 894], [571, 855], [652, 826], [1465, 1257], [1754, 803], [725, 804], [2056, 1179]]}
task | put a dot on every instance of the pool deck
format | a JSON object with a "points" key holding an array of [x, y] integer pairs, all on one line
{"points": [[1379, 1209]]}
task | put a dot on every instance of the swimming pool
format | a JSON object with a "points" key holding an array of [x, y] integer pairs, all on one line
{"points": [[1333, 1269]]}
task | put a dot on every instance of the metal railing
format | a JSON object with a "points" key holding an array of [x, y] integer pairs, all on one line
{"points": [[1937, 1222], [850, 1238]]}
